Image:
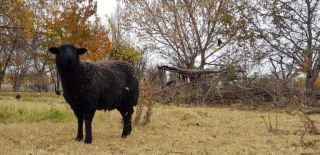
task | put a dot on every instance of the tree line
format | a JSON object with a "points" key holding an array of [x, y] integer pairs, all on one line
{"points": [[280, 35]]}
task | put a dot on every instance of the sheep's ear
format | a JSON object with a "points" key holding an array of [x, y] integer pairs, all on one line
{"points": [[81, 51], [54, 50]]}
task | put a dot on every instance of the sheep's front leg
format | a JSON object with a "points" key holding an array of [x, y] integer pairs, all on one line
{"points": [[88, 116], [79, 115]]}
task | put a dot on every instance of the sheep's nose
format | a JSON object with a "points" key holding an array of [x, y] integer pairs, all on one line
{"points": [[69, 59]]}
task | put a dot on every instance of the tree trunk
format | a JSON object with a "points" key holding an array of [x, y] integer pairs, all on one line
{"points": [[190, 65], [17, 86], [17, 81], [311, 78], [6, 63], [313, 73], [38, 88], [203, 59], [310, 81]]}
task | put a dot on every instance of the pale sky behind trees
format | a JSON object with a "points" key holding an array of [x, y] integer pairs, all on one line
{"points": [[106, 7]]}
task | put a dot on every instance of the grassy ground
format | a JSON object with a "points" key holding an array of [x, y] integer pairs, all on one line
{"points": [[44, 124]]}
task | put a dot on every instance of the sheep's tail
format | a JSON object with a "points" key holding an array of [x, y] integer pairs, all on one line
{"points": [[135, 85], [136, 100], [136, 95]]}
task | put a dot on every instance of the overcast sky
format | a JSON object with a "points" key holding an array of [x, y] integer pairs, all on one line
{"points": [[106, 7]]}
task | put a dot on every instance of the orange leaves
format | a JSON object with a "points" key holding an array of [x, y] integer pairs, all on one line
{"points": [[16, 15], [98, 50], [50, 23], [78, 24]]}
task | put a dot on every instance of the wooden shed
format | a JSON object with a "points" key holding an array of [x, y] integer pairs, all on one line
{"points": [[187, 75]]}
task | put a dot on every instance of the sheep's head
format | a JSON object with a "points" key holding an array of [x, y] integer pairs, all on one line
{"points": [[67, 56]]}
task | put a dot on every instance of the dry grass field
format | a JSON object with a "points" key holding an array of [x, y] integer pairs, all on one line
{"points": [[44, 124]]}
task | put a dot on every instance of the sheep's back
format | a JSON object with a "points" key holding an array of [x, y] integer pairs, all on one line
{"points": [[115, 66]]}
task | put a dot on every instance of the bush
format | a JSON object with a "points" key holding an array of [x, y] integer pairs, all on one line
{"points": [[148, 94]]}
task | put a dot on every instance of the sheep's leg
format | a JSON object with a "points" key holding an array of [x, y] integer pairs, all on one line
{"points": [[126, 116], [88, 116], [79, 115]]}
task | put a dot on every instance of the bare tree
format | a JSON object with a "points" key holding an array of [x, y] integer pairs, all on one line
{"points": [[282, 69], [289, 28], [184, 30]]}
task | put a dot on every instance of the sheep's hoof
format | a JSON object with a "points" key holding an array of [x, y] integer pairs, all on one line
{"points": [[79, 138], [88, 141], [126, 132], [124, 135]]}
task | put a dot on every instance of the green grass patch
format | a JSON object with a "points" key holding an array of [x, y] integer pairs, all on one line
{"points": [[11, 114], [33, 109], [52, 114]]}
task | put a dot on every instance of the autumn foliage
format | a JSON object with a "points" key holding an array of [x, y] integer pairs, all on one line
{"points": [[28, 28], [78, 24]]}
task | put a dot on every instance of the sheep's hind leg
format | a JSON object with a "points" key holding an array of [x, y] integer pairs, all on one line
{"points": [[79, 115], [88, 116], [126, 116]]}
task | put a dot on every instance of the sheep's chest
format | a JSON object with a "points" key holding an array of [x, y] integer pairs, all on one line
{"points": [[82, 96]]}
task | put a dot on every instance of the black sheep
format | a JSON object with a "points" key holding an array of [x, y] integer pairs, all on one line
{"points": [[88, 87]]}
